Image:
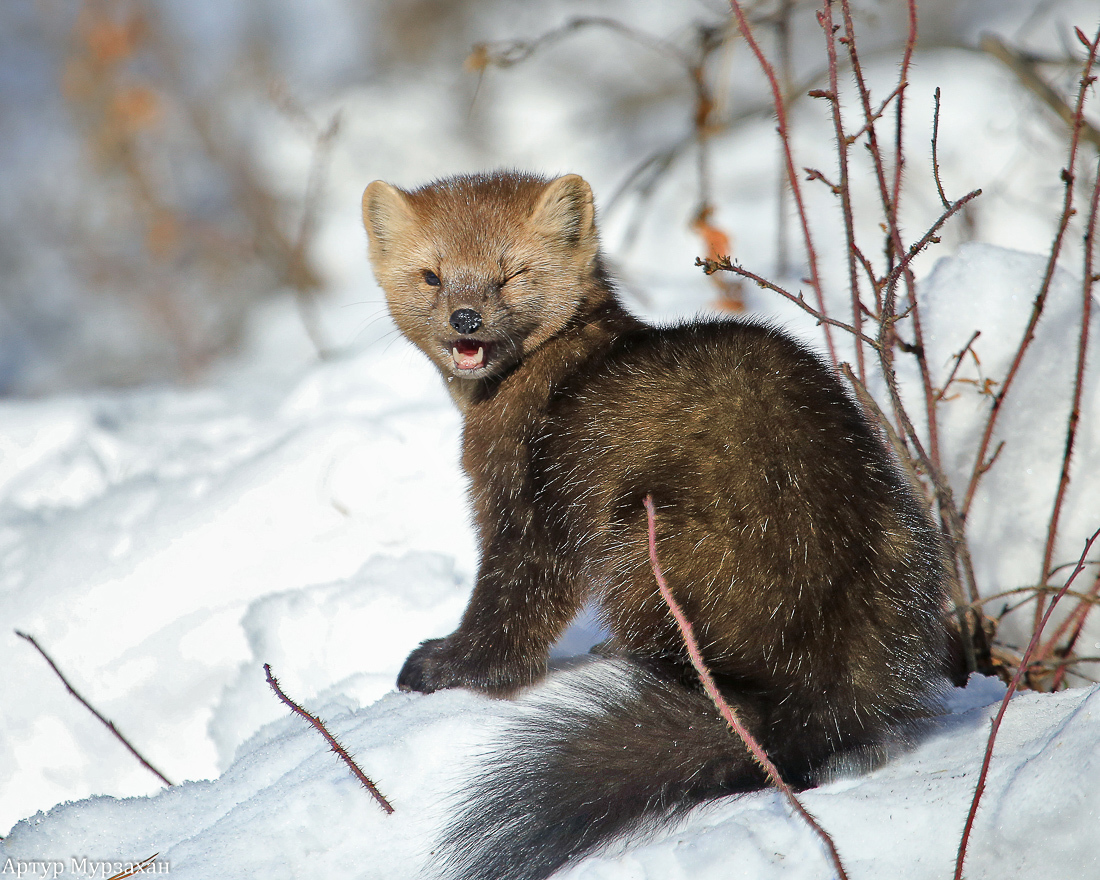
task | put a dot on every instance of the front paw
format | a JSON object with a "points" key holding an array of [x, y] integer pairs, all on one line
{"points": [[442, 663], [426, 668]]}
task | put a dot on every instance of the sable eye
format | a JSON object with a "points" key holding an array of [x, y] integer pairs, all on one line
{"points": [[431, 278]]}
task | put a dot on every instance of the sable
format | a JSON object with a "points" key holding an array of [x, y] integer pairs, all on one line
{"points": [[812, 577]]}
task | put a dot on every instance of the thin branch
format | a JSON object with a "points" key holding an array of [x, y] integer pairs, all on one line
{"points": [[1087, 282], [958, 363], [110, 725], [1035, 591], [928, 238], [980, 463], [889, 197], [724, 709], [825, 19], [936, 149], [792, 174], [340, 751], [725, 264], [1078, 617], [508, 53], [1013, 685]]}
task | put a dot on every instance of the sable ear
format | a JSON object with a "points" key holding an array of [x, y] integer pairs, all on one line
{"points": [[566, 212], [386, 215]]}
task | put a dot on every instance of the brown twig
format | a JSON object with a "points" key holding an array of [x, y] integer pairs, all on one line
{"points": [[1040, 298], [1087, 283], [724, 709], [1034, 591], [890, 196], [137, 868], [958, 363], [508, 53], [936, 150], [843, 144], [792, 174], [928, 238], [1013, 685], [110, 725], [340, 751], [725, 264], [1076, 619]]}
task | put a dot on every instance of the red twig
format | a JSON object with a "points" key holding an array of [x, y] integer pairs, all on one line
{"points": [[958, 363], [1088, 280], [725, 264], [1076, 620], [890, 196], [792, 175], [1081, 613], [843, 144], [725, 710], [340, 751], [980, 465], [1020, 672], [110, 725]]}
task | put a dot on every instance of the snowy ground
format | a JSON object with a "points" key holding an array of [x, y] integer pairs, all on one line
{"points": [[163, 544]]}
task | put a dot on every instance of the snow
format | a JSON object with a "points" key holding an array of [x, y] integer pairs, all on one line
{"points": [[163, 544]]}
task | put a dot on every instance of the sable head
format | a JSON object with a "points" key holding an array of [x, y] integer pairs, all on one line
{"points": [[481, 270]]}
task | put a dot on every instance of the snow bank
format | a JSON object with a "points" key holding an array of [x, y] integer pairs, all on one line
{"points": [[164, 544], [287, 808]]}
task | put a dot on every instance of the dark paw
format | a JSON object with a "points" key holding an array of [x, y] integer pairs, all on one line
{"points": [[441, 663], [425, 668]]}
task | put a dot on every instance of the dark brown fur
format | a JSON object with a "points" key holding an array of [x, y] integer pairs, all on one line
{"points": [[811, 574]]}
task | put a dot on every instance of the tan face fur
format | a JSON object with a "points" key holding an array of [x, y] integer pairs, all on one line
{"points": [[516, 251]]}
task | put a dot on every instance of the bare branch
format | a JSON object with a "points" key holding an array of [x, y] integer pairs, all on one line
{"points": [[936, 149], [792, 175], [1087, 282], [980, 463], [725, 264], [1013, 685], [110, 725], [340, 751]]}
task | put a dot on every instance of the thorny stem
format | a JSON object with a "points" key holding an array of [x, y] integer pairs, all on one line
{"points": [[936, 149], [1013, 685], [110, 725], [340, 751], [792, 175], [1084, 606], [724, 709], [825, 19], [1075, 619], [725, 264], [981, 465], [1088, 280], [890, 196]]}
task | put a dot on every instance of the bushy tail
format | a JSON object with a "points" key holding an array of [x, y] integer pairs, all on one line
{"points": [[611, 749]]}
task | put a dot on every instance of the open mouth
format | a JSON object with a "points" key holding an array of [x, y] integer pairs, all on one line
{"points": [[469, 354]]}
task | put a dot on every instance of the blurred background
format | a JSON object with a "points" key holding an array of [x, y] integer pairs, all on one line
{"points": [[169, 171]]}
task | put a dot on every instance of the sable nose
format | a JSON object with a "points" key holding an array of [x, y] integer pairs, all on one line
{"points": [[465, 320]]}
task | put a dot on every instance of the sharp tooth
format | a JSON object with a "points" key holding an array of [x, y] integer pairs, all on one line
{"points": [[454, 352], [480, 354]]}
